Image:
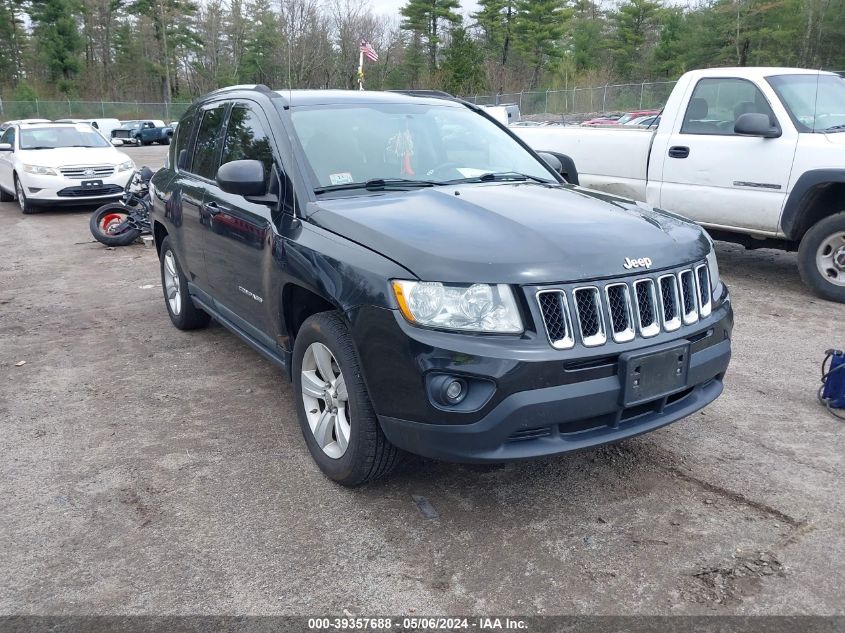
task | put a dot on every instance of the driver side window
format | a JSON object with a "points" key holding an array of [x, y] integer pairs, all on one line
{"points": [[717, 103]]}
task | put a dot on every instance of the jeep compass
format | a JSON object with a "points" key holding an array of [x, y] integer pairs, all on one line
{"points": [[429, 283]]}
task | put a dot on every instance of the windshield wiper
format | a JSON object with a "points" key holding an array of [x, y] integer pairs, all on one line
{"points": [[503, 176], [834, 128], [377, 184], [38, 147]]}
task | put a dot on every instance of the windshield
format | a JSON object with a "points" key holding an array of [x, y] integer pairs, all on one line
{"points": [[816, 103], [65, 136], [411, 142]]}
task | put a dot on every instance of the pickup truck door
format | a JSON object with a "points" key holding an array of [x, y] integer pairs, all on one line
{"points": [[716, 177], [240, 241]]}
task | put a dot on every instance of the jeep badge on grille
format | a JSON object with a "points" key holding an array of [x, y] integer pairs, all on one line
{"points": [[642, 262]]}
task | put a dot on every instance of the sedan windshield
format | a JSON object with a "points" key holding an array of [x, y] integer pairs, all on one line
{"points": [[816, 103], [60, 136], [403, 145]]}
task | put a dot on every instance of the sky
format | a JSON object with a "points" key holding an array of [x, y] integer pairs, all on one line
{"points": [[391, 7]]}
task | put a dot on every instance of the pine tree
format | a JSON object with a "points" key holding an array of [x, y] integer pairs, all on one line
{"points": [[426, 18], [57, 37], [463, 65], [540, 25]]}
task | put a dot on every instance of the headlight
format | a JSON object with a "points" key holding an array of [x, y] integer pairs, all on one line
{"points": [[466, 307], [40, 171], [125, 166], [713, 267]]}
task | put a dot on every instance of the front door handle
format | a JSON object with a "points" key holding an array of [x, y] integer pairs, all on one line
{"points": [[213, 208], [678, 151]]}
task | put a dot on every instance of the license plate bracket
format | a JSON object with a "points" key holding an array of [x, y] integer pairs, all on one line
{"points": [[90, 184], [654, 374]]}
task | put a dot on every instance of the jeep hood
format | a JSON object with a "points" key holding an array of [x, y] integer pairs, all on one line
{"points": [[519, 233]]}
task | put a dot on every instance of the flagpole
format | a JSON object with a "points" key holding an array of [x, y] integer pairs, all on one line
{"points": [[360, 68]]}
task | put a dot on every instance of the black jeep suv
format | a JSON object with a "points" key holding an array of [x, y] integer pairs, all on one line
{"points": [[429, 283]]}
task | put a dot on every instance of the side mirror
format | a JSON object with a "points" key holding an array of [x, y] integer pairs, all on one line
{"points": [[6, 147], [755, 124], [552, 161], [242, 178], [116, 142], [562, 164]]}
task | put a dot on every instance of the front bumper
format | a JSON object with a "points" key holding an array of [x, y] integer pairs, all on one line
{"points": [[543, 401], [51, 190]]}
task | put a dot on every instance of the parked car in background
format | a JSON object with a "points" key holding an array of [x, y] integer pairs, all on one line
{"points": [[144, 132], [756, 155], [506, 113], [446, 295], [645, 121], [621, 120], [602, 120], [105, 126], [45, 164]]}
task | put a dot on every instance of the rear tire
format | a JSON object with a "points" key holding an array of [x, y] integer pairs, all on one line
{"points": [[23, 202], [183, 313], [5, 196], [821, 258], [110, 239], [352, 450]]}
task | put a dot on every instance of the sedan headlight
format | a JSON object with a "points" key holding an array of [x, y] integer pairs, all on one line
{"points": [[40, 171], [464, 307], [125, 166]]}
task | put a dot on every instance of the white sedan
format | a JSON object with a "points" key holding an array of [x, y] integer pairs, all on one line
{"points": [[55, 163]]}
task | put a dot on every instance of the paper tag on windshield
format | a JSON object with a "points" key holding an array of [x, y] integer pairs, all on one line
{"points": [[340, 179]]}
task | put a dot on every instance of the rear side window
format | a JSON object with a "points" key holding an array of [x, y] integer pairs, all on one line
{"points": [[206, 146], [246, 139], [717, 103]]}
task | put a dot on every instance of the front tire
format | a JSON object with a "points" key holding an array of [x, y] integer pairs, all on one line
{"points": [[821, 258], [337, 418], [23, 202], [107, 216], [183, 313]]}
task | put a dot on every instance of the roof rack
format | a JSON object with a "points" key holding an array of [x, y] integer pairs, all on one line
{"points": [[256, 87]]}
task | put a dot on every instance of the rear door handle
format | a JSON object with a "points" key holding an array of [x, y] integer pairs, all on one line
{"points": [[213, 208], [678, 151]]}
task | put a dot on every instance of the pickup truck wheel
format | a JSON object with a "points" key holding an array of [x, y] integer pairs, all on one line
{"points": [[165, 141], [821, 258], [337, 418], [183, 313]]}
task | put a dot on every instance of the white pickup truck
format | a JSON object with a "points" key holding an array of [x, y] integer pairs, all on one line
{"points": [[756, 155]]}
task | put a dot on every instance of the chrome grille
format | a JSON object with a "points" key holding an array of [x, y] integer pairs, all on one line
{"points": [[555, 310], [646, 307], [688, 292], [590, 318], [619, 307], [670, 303], [702, 279], [622, 310], [82, 173]]}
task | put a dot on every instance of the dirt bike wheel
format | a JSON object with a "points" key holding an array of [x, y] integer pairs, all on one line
{"points": [[109, 216]]}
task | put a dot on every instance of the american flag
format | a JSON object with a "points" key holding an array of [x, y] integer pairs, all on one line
{"points": [[369, 51]]}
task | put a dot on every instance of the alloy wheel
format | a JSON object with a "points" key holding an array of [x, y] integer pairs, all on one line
{"points": [[326, 399], [20, 194], [171, 283]]}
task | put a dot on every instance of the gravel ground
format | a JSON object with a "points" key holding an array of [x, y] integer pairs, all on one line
{"points": [[147, 470]]}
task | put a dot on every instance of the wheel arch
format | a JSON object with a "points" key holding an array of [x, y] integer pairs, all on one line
{"points": [[816, 195], [159, 233], [299, 303]]}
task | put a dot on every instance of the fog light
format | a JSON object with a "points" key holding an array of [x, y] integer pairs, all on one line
{"points": [[455, 391]]}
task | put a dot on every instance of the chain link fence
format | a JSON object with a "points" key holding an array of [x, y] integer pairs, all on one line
{"points": [[70, 109], [594, 100]]}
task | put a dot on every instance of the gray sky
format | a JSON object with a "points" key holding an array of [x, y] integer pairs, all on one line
{"points": [[391, 7]]}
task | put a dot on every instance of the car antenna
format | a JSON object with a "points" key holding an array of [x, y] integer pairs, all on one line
{"points": [[816, 99], [290, 114]]}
